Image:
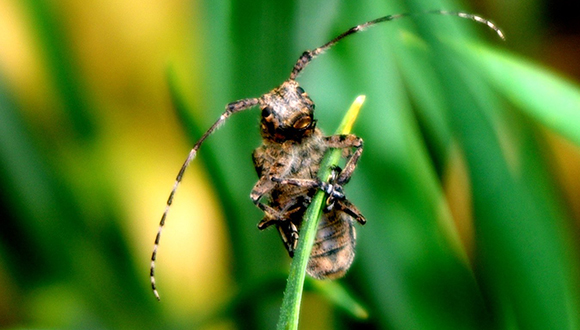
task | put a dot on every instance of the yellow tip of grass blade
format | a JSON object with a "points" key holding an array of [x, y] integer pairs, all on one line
{"points": [[348, 120]]}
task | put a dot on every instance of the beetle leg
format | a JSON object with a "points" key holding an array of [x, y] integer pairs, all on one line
{"points": [[346, 141], [347, 207]]}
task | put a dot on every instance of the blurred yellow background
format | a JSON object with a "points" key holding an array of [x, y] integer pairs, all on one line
{"points": [[92, 145]]}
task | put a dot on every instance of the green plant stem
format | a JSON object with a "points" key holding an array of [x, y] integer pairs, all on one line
{"points": [[290, 310]]}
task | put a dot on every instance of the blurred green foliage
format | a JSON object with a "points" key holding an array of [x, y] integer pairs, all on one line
{"points": [[468, 179]]}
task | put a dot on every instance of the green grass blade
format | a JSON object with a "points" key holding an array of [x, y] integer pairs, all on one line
{"points": [[520, 235], [290, 310], [540, 93], [337, 294], [61, 64]]}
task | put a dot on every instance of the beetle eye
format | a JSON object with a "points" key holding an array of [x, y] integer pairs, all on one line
{"points": [[266, 111], [300, 90], [302, 123]]}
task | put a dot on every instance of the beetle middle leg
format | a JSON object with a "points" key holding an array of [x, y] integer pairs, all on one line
{"points": [[336, 198], [263, 187], [333, 189]]}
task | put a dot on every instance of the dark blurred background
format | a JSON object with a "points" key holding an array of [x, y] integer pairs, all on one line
{"points": [[469, 181]]}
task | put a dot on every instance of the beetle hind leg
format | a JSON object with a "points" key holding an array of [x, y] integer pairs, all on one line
{"points": [[289, 234]]}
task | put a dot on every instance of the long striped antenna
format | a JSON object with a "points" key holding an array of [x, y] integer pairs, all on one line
{"points": [[308, 55], [230, 109]]}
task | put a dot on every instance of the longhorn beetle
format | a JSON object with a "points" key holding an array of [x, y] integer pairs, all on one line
{"points": [[288, 161]]}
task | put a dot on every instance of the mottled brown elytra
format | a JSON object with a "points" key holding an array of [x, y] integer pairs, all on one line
{"points": [[288, 162]]}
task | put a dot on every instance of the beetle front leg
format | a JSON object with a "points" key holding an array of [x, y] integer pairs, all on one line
{"points": [[346, 141]]}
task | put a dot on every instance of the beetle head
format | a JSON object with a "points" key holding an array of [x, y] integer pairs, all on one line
{"points": [[287, 113]]}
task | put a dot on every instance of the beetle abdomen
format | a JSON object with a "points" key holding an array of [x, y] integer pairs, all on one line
{"points": [[333, 249]]}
